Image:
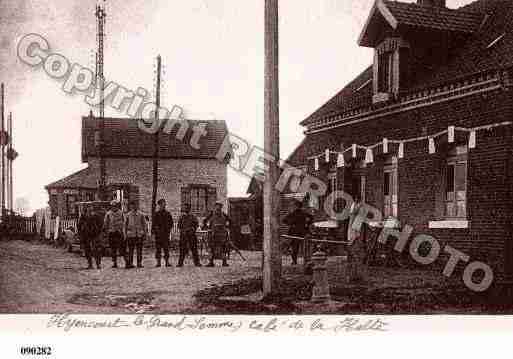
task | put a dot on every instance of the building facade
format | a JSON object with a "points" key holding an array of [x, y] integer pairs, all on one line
{"points": [[189, 171], [425, 133]]}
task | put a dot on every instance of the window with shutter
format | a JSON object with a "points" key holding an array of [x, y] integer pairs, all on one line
{"points": [[456, 183], [385, 72], [200, 198], [390, 188]]}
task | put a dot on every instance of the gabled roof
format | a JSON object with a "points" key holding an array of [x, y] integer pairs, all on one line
{"points": [[123, 138], [85, 179], [399, 14], [472, 57]]}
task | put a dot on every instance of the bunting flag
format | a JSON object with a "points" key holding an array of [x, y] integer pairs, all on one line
{"points": [[450, 134], [340, 160], [369, 158], [472, 140], [369, 155], [431, 145]]}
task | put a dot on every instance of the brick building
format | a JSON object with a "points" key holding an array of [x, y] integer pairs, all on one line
{"points": [[424, 133], [189, 172]]}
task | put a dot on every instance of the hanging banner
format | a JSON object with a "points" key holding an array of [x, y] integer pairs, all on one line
{"points": [[385, 145], [400, 152], [340, 160], [316, 163], [432, 148], [354, 150], [369, 158], [327, 155], [472, 140], [450, 134]]}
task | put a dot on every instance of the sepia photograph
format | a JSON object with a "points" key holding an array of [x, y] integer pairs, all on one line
{"points": [[303, 166]]}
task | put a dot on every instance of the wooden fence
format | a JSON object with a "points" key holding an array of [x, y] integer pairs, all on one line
{"points": [[23, 225]]}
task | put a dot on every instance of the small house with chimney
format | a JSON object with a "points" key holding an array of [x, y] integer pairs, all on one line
{"points": [[188, 172]]}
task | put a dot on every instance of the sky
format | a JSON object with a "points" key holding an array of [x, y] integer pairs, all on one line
{"points": [[213, 57]]}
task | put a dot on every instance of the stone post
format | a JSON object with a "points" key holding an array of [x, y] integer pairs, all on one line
{"points": [[321, 289]]}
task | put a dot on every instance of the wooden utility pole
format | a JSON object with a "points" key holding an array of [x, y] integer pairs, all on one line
{"points": [[272, 252], [156, 144]]}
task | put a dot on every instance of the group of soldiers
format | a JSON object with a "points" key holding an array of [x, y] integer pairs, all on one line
{"points": [[125, 233]]}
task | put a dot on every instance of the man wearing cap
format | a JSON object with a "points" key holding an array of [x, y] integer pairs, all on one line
{"points": [[299, 223], [161, 228], [113, 227], [89, 231], [218, 223], [135, 231], [188, 224]]}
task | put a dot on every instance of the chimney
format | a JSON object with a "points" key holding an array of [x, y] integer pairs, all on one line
{"points": [[437, 3]]}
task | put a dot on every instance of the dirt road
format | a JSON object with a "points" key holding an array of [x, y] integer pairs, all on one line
{"points": [[38, 278]]}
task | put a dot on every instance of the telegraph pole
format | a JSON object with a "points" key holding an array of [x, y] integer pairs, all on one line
{"points": [[100, 80], [2, 150], [156, 144], [9, 165], [272, 251]]}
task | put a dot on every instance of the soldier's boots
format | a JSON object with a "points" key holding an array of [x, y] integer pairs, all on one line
{"points": [[167, 263], [225, 263], [98, 263], [90, 263], [159, 263]]}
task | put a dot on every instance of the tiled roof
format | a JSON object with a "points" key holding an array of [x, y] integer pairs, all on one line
{"points": [[471, 57], [123, 138], [431, 17], [85, 178]]}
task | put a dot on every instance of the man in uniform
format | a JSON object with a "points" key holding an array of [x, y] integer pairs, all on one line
{"points": [[135, 232], [218, 224], [161, 228], [299, 223], [187, 225], [113, 227], [89, 231]]}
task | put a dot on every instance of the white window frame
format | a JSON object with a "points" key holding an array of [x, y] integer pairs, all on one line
{"points": [[457, 156], [391, 201]]}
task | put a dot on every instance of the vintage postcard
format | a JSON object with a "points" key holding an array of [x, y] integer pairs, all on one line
{"points": [[327, 167]]}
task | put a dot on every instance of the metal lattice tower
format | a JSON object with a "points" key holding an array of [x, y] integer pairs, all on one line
{"points": [[101, 16]]}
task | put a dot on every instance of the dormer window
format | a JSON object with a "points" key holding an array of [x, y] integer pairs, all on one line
{"points": [[390, 68], [385, 65]]}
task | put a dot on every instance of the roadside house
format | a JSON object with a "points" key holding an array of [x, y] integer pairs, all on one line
{"points": [[188, 172], [424, 133]]}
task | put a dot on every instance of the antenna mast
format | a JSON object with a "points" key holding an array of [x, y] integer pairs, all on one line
{"points": [[100, 81]]}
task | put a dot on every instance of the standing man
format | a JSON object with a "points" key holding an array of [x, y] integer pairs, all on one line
{"points": [[135, 232], [89, 230], [161, 228], [188, 224], [299, 224], [113, 227], [218, 223]]}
